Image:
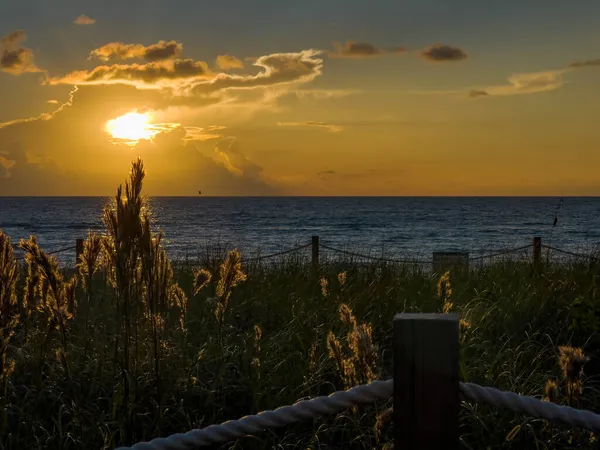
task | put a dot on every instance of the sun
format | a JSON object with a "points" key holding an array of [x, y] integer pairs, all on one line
{"points": [[131, 127]]}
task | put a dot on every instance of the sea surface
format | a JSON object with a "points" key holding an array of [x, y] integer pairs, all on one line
{"points": [[400, 227]]}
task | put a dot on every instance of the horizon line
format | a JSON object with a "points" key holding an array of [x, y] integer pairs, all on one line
{"points": [[313, 196]]}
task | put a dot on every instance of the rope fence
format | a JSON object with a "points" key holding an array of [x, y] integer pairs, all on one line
{"points": [[274, 255], [316, 245], [566, 252], [374, 258], [360, 395]]}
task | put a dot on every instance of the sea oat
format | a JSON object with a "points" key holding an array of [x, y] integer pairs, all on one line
{"points": [[230, 275], [571, 362], [551, 391], [341, 278], [9, 312], [444, 288], [202, 278], [323, 282], [347, 316]]}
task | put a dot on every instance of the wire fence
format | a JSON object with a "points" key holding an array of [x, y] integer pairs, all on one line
{"points": [[360, 395]]}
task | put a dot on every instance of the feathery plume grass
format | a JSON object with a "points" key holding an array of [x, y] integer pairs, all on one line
{"points": [[356, 364], [551, 391], [571, 361], [444, 291], [324, 283], [347, 316], [9, 307], [89, 262], [230, 275], [202, 278], [341, 278]]}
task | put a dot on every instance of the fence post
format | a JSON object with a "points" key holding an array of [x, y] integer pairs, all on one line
{"points": [[537, 252], [315, 251], [426, 396], [78, 249]]}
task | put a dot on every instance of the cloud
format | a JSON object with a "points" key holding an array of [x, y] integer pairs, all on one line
{"points": [[277, 69], [443, 53], [478, 93], [190, 80], [322, 94], [309, 123], [53, 102], [585, 63], [227, 62], [60, 155], [153, 75], [351, 49], [84, 20], [156, 52], [15, 59], [524, 83]]}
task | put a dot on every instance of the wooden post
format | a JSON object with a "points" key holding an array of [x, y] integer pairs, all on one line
{"points": [[78, 249], [426, 396], [537, 252], [315, 251]]}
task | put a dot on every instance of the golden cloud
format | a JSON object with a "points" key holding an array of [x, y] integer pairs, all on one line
{"points": [[15, 59], [311, 123], [155, 52], [153, 75], [84, 20], [277, 69], [227, 62], [524, 83]]}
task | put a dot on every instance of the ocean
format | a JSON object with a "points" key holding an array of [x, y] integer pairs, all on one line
{"points": [[401, 227]]}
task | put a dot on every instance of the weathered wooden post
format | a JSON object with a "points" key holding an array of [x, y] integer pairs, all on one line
{"points": [[426, 367], [78, 250], [537, 252], [315, 252]]}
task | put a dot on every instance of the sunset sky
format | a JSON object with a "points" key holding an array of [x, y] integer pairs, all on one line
{"points": [[424, 97]]}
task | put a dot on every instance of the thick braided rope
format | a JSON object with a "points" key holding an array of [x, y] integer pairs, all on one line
{"points": [[531, 406], [305, 409]]}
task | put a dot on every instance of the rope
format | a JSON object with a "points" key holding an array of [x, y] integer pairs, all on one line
{"points": [[367, 393], [272, 255], [66, 249], [305, 409], [531, 406], [358, 255], [504, 252], [578, 255]]}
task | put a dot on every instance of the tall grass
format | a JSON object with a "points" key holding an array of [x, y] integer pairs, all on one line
{"points": [[129, 347]]}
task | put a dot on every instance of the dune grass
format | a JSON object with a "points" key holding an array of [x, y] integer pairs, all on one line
{"points": [[130, 347]]}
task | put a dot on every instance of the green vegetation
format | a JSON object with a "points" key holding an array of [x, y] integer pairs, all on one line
{"points": [[128, 347]]}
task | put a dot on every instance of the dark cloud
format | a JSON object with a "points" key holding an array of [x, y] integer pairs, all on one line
{"points": [[351, 49], [15, 59], [156, 52], [150, 75], [585, 63], [84, 20], [478, 93], [14, 38], [227, 62], [442, 53]]}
